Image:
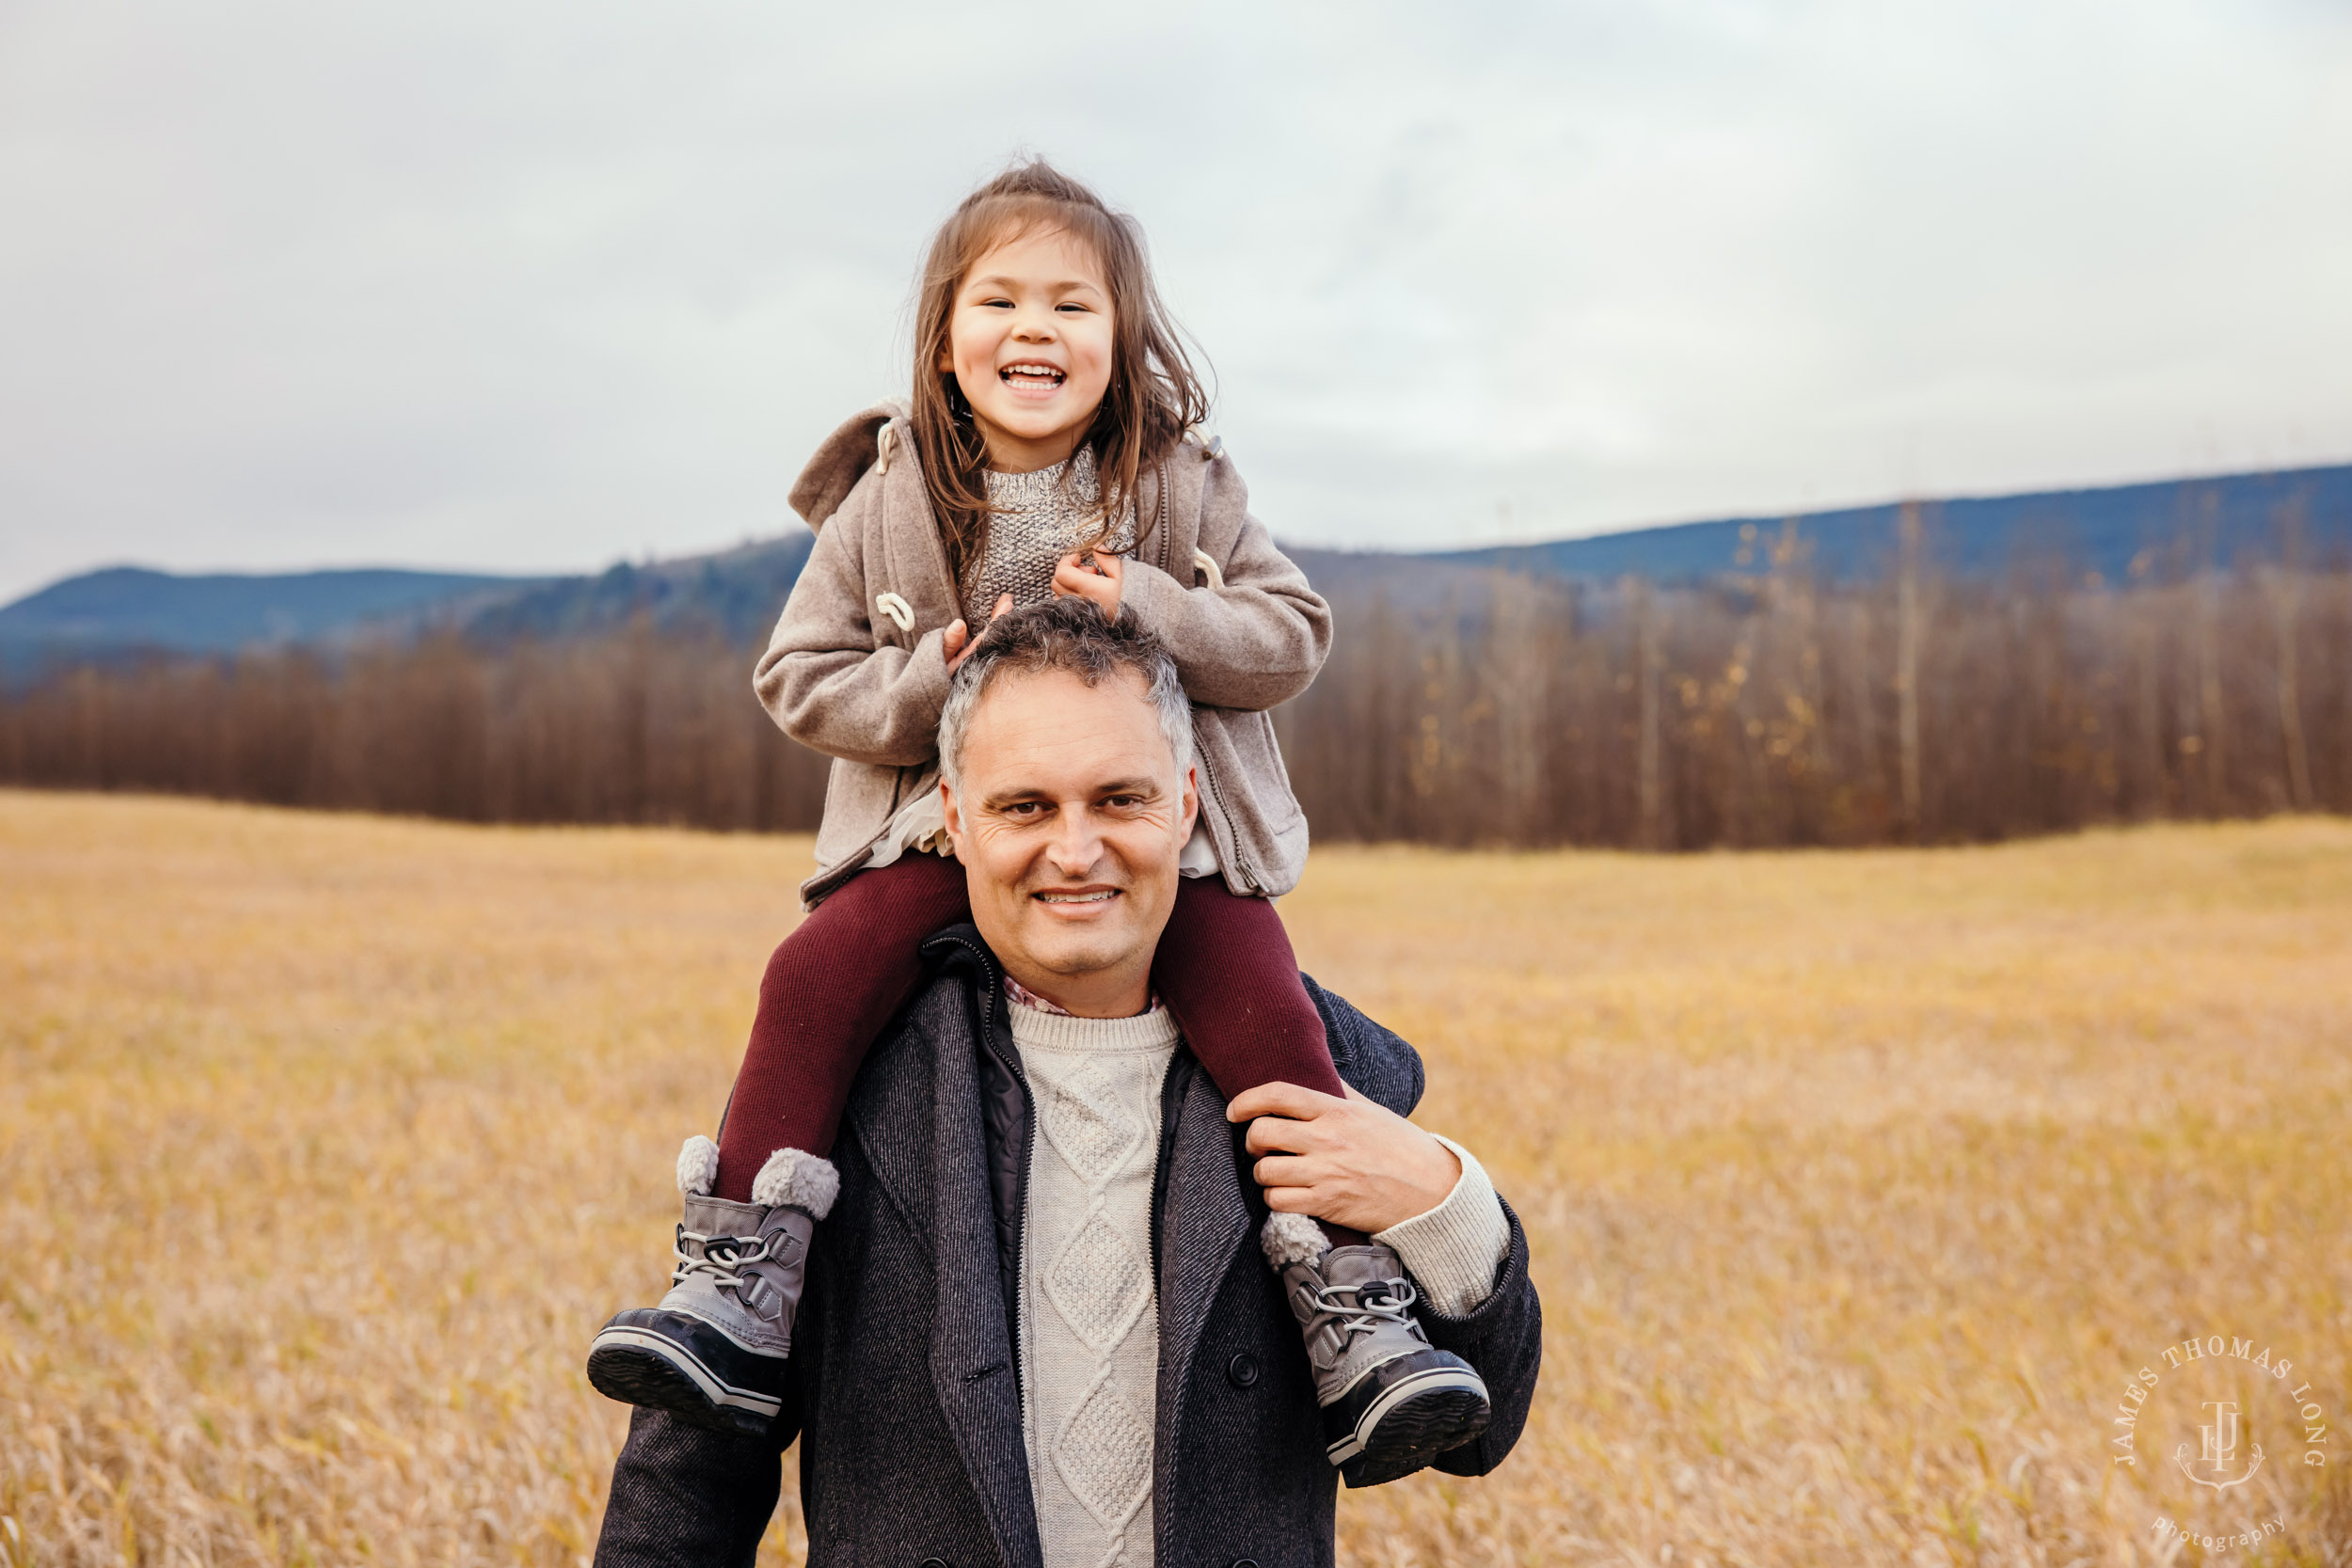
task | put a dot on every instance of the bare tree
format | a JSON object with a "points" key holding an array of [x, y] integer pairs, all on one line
{"points": [[1907, 635]]}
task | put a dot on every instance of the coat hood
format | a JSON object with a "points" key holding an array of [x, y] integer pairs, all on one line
{"points": [[862, 441]]}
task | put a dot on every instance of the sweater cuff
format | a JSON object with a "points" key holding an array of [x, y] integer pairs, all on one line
{"points": [[1454, 1249]]}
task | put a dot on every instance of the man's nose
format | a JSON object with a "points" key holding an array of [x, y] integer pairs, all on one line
{"points": [[1078, 844]]}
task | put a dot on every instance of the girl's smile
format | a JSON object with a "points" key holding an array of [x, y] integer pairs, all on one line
{"points": [[1029, 344]]}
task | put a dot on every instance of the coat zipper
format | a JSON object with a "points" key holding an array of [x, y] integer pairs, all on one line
{"points": [[1171, 1101], [1208, 776], [1161, 510]]}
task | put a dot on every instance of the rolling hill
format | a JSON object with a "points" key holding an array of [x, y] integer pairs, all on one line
{"points": [[2173, 524]]}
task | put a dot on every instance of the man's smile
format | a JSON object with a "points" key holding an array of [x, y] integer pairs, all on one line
{"points": [[1076, 895]]}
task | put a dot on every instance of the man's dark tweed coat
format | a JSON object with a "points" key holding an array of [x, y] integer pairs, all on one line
{"points": [[905, 1382]]}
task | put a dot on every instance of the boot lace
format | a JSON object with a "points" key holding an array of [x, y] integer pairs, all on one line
{"points": [[723, 1260], [1364, 1309]]}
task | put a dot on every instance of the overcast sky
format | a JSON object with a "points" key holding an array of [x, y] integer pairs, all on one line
{"points": [[534, 286]]}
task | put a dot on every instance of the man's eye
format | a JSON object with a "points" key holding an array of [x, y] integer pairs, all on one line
{"points": [[1124, 802], [1024, 808]]}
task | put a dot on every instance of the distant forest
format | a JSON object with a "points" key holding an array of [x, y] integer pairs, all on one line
{"points": [[1771, 706]]}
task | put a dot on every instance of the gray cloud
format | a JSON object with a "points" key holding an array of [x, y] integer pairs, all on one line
{"points": [[536, 285]]}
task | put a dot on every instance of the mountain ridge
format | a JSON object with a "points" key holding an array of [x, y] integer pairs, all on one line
{"points": [[2116, 532]]}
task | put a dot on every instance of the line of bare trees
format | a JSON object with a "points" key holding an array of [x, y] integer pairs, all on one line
{"points": [[635, 728], [1767, 708], [1772, 708]]}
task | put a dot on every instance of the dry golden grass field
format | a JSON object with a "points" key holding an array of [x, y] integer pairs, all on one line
{"points": [[1861, 1186]]}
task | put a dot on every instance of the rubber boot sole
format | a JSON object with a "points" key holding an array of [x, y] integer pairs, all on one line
{"points": [[665, 1361], [1402, 1417]]}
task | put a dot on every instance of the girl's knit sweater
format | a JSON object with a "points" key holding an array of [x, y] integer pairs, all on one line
{"points": [[1034, 520]]}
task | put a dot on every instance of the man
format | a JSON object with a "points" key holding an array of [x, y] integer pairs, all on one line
{"points": [[1031, 1331]]}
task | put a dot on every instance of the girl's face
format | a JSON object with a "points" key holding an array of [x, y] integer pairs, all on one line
{"points": [[1029, 342]]}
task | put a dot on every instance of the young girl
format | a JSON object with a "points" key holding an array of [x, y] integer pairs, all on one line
{"points": [[1047, 452]]}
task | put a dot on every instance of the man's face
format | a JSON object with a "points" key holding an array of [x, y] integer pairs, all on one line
{"points": [[1069, 822]]}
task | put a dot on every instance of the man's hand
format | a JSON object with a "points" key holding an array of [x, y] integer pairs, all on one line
{"points": [[1346, 1161], [1090, 575], [956, 644]]}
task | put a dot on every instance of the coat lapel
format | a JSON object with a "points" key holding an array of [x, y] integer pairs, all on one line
{"points": [[1204, 1222], [972, 1351]]}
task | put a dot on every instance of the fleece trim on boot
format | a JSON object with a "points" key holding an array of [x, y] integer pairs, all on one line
{"points": [[794, 1179], [1289, 1238], [697, 1167]]}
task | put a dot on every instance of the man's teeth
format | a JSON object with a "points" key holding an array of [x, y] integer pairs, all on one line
{"points": [[1077, 897]]}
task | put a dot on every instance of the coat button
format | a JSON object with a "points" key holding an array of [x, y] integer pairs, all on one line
{"points": [[1244, 1563], [942, 1562], [1242, 1372]]}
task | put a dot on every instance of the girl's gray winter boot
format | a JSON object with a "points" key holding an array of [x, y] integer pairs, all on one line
{"points": [[713, 1353], [1392, 1401]]}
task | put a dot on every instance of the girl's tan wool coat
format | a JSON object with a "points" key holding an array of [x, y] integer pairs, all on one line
{"points": [[856, 668]]}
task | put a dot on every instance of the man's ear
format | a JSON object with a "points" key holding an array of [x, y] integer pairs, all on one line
{"points": [[954, 817], [1192, 798]]}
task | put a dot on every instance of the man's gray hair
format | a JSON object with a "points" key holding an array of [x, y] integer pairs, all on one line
{"points": [[1069, 635]]}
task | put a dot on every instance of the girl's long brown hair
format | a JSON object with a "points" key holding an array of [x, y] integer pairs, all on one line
{"points": [[1153, 395]]}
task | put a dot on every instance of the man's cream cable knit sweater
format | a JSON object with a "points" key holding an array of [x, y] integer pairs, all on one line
{"points": [[1090, 1326]]}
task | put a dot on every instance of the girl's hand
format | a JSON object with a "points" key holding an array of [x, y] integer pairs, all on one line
{"points": [[956, 644], [1090, 575]]}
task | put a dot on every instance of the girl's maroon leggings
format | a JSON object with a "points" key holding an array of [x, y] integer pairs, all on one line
{"points": [[1225, 968]]}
